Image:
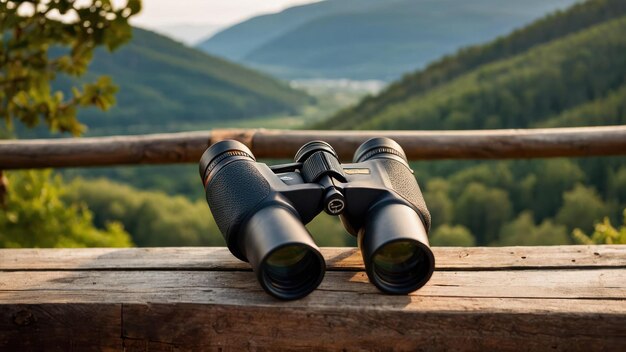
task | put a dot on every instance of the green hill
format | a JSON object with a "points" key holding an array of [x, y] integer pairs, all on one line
{"points": [[239, 40], [165, 86], [532, 75], [567, 69], [371, 39]]}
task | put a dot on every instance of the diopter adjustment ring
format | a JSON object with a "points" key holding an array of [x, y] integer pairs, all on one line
{"points": [[322, 163], [380, 150], [220, 153], [225, 155]]}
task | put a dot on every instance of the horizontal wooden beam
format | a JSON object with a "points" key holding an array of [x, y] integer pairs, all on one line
{"points": [[476, 144], [563, 298], [418, 145]]}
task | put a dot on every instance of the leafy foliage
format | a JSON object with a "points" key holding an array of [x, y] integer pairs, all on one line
{"points": [[36, 215], [606, 110], [42, 39], [523, 232], [40, 43], [156, 219], [483, 210], [604, 233], [446, 236], [328, 231], [581, 207], [152, 218]]}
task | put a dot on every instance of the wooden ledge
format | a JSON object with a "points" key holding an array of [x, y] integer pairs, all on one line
{"points": [[177, 299]]}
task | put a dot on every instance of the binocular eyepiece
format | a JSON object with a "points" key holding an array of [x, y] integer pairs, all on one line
{"points": [[262, 210]]}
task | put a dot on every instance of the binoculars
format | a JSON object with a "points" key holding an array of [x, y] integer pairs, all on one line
{"points": [[261, 211]]}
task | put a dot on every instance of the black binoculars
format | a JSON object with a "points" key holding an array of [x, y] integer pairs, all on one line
{"points": [[261, 210]]}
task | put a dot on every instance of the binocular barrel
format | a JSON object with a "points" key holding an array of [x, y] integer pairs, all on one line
{"points": [[262, 213], [258, 225], [282, 253], [394, 240], [395, 250]]}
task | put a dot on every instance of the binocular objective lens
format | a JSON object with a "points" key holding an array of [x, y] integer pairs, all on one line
{"points": [[291, 268], [400, 263], [286, 259]]}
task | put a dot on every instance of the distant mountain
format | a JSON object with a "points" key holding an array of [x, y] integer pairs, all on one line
{"points": [[369, 39], [241, 39], [166, 86], [565, 69], [189, 34]]}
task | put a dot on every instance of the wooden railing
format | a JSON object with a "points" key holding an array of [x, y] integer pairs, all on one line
{"points": [[189, 146], [568, 298]]}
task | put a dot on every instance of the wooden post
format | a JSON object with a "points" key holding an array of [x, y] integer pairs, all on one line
{"points": [[4, 187]]}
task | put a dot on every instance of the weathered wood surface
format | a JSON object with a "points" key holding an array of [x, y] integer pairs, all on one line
{"points": [[337, 259], [189, 146], [568, 298]]}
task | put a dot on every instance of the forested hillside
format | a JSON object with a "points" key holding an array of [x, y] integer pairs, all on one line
{"points": [[549, 49], [517, 92], [567, 69], [369, 39], [166, 86]]}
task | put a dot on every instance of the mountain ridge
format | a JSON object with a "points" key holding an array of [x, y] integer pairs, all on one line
{"points": [[374, 40], [405, 95], [165, 83]]}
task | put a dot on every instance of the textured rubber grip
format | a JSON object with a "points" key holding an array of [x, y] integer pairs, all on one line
{"points": [[233, 192], [322, 163], [405, 184]]}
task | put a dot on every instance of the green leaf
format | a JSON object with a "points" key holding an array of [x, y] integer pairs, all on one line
{"points": [[134, 6], [27, 73]]}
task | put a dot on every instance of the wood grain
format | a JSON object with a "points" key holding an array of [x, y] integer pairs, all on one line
{"points": [[563, 298], [241, 288], [60, 327], [419, 145], [233, 328], [219, 258]]}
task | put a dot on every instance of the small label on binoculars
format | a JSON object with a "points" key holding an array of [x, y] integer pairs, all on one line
{"points": [[336, 206], [356, 171]]}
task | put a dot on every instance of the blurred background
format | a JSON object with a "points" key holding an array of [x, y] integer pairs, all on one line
{"points": [[163, 66]]}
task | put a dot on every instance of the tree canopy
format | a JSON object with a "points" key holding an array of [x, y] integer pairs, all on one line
{"points": [[40, 40], [36, 215]]}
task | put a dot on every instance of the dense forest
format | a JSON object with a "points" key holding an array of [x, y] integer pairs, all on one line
{"points": [[550, 28], [570, 31], [155, 218]]}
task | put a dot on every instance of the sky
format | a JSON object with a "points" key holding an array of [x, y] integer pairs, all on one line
{"points": [[193, 20], [207, 12]]}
